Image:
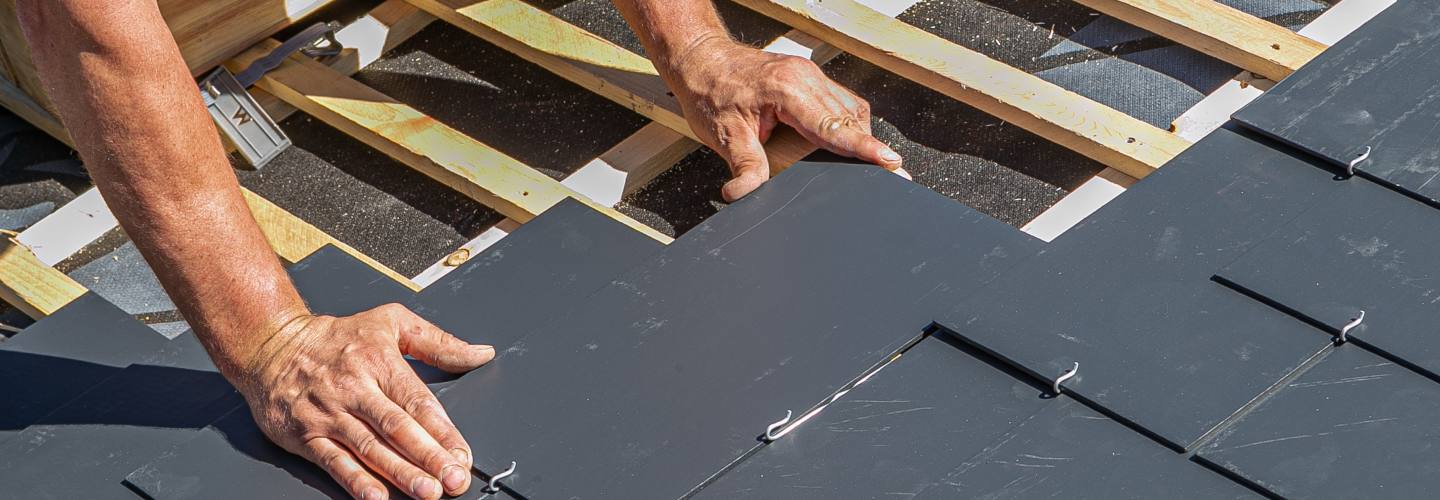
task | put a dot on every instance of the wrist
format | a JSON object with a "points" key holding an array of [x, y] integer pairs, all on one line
{"points": [[692, 62], [245, 359]]}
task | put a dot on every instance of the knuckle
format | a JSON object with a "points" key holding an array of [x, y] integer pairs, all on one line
{"points": [[356, 482], [418, 402], [436, 459], [393, 308], [332, 460], [349, 385], [365, 443], [351, 350], [392, 423]]}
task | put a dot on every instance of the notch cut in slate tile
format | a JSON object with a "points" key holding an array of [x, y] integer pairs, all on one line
{"points": [[550, 264], [1376, 88], [1366, 249], [84, 343], [1353, 426], [675, 369], [85, 448], [1128, 295]]}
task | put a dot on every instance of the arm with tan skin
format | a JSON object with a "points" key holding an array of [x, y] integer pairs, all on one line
{"points": [[734, 95], [334, 390]]}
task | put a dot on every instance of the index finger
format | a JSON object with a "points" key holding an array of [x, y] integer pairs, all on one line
{"points": [[838, 132]]}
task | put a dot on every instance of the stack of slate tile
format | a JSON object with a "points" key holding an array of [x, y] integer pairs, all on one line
{"points": [[1250, 321]]}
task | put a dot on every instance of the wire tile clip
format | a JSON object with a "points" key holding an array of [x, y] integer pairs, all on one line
{"points": [[1350, 170], [494, 485], [1055, 386], [770, 431], [1345, 330]]}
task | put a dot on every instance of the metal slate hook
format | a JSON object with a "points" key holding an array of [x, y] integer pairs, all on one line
{"points": [[770, 434], [1055, 386], [1350, 326], [494, 485], [1350, 170]]}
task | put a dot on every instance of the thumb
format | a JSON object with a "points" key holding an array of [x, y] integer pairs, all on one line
{"points": [[440, 349], [748, 165]]}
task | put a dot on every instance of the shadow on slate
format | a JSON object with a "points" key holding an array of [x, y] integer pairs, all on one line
{"points": [[145, 394], [673, 371], [1353, 426], [550, 264], [1368, 249], [1379, 88], [84, 343], [85, 448], [946, 421], [1127, 293]]}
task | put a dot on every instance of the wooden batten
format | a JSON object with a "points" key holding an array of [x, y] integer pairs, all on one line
{"points": [[1219, 30], [419, 141], [1064, 117]]}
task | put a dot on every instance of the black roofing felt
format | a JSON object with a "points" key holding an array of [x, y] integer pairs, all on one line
{"points": [[1376, 88]]}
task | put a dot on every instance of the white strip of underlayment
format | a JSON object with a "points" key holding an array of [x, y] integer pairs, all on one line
{"points": [[1202, 119], [74, 225]]}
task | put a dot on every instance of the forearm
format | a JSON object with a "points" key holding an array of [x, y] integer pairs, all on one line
{"points": [[671, 29], [124, 93]]}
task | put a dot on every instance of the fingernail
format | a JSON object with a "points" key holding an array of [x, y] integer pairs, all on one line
{"points": [[454, 477], [888, 154], [424, 487], [904, 174], [462, 456], [372, 494], [484, 348]]}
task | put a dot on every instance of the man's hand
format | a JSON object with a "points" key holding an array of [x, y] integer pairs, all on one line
{"points": [[734, 95], [339, 392]]}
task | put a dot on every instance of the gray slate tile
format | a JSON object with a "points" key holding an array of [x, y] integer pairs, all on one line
{"points": [[85, 448], [333, 283], [1128, 295], [1368, 249], [544, 268], [899, 433], [943, 422], [1068, 450], [1378, 87], [1354, 426], [61, 356], [675, 369], [549, 264]]}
